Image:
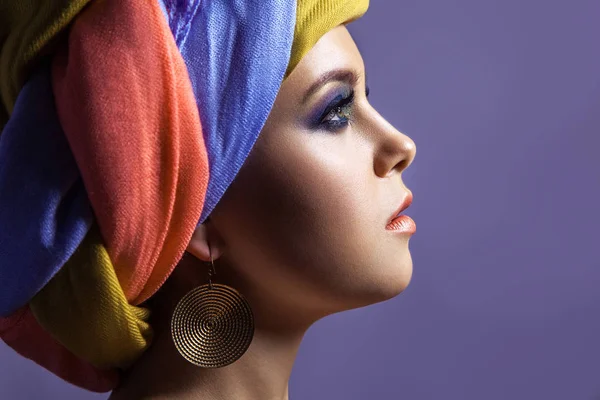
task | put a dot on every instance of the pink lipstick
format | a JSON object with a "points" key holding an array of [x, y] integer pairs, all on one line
{"points": [[401, 222]]}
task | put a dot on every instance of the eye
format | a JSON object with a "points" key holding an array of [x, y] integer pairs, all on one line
{"points": [[339, 114]]}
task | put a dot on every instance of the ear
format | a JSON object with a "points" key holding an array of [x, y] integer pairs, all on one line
{"points": [[204, 236]]}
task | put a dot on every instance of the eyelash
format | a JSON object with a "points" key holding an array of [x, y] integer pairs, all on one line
{"points": [[342, 109]]}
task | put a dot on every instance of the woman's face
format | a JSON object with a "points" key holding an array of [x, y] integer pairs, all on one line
{"points": [[304, 222]]}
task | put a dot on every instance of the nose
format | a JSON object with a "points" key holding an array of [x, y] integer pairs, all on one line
{"points": [[394, 151]]}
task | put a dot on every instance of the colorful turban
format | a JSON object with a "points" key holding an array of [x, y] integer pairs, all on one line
{"points": [[123, 123]]}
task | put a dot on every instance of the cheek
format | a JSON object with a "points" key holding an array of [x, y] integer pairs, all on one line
{"points": [[305, 220], [307, 200]]}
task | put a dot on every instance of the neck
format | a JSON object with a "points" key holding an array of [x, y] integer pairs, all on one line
{"points": [[262, 373]]}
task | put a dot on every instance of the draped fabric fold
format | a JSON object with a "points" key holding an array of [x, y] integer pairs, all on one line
{"points": [[83, 299], [236, 53], [28, 30], [45, 212], [142, 158], [24, 334]]}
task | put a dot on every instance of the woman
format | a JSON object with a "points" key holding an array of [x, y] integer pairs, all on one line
{"points": [[295, 179]]}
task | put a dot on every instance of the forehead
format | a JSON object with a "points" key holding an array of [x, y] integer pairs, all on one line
{"points": [[334, 50]]}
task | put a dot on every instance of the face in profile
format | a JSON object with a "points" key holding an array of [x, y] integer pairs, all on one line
{"points": [[303, 225]]}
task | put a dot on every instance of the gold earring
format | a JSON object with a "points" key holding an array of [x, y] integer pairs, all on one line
{"points": [[212, 325]]}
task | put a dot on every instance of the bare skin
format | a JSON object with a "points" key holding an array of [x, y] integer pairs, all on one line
{"points": [[300, 233]]}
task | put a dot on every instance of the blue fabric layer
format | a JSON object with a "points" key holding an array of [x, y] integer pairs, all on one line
{"points": [[44, 208], [236, 53]]}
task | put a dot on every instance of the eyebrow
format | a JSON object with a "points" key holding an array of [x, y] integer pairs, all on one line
{"points": [[340, 75]]}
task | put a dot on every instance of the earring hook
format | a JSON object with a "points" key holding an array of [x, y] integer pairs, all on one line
{"points": [[211, 270]]}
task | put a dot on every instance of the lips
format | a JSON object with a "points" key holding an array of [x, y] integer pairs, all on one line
{"points": [[403, 206]]}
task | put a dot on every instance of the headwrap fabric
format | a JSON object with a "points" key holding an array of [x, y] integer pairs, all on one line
{"points": [[143, 155], [161, 148], [236, 52], [50, 200], [44, 212], [150, 171], [317, 17], [24, 334], [82, 299], [27, 28]]}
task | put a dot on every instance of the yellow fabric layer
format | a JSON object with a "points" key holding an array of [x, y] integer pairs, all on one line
{"points": [[27, 27], [85, 309], [314, 18]]}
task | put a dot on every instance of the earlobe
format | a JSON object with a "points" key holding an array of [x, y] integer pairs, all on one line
{"points": [[201, 239]]}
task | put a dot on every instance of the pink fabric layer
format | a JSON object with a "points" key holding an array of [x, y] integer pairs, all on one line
{"points": [[22, 332]]}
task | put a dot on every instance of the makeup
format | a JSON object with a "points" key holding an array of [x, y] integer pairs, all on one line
{"points": [[334, 111], [402, 224], [399, 222]]}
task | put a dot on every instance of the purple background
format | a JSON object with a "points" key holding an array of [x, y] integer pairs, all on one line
{"points": [[503, 101]]}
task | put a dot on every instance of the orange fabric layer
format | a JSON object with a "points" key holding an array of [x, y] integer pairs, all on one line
{"points": [[125, 102], [22, 332]]}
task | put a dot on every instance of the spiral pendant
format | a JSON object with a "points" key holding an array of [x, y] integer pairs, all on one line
{"points": [[212, 327]]}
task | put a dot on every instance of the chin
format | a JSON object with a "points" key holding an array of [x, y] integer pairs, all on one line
{"points": [[383, 286], [396, 279]]}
